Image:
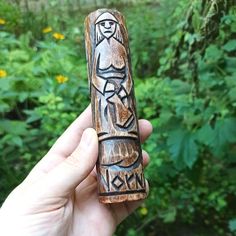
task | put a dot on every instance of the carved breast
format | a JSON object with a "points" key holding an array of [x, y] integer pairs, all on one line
{"points": [[106, 51]]}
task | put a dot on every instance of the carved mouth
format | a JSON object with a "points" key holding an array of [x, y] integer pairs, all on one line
{"points": [[107, 31]]}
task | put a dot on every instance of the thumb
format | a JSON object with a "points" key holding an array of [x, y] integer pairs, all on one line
{"points": [[65, 177]]}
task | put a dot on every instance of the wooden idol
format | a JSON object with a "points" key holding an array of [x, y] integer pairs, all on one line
{"points": [[119, 166]]}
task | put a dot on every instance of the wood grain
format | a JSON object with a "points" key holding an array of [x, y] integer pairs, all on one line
{"points": [[119, 166]]}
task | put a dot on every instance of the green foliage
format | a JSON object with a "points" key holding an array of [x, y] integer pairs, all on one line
{"points": [[183, 148], [183, 58], [192, 107], [12, 16], [35, 106]]}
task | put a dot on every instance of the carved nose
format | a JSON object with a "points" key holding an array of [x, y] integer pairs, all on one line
{"points": [[107, 25]]}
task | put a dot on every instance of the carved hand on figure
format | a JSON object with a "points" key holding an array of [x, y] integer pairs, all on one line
{"points": [[59, 196]]}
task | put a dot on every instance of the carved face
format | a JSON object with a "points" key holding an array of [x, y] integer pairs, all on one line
{"points": [[107, 28]]}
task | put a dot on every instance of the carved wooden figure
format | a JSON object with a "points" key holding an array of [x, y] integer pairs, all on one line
{"points": [[119, 166]]}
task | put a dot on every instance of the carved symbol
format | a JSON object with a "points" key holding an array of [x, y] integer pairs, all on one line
{"points": [[121, 154], [117, 182], [128, 179], [123, 113]]}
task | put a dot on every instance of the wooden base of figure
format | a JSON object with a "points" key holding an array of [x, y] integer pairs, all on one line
{"points": [[122, 198], [120, 171]]}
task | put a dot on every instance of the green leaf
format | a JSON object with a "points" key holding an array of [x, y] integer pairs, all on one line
{"points": [[232, 225], [232, 94], [17, 141], [196, 20], [205, 134], [32, 116], [230, 64], [18, 55], [213, 53], [223, 132], [180, 87], [230, 45], [4, 107], [4, 84], [169, 215], [13, 127], [182, 147], [221, 202], [230, 80]]}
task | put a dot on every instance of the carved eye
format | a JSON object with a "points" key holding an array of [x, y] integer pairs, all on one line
{"points": [[103, 24], [111, 23]]}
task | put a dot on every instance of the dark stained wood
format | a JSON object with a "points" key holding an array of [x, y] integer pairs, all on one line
{"points": [[119, 166]]}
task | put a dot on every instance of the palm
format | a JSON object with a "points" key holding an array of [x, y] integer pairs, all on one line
{"points": [[91, 217]]}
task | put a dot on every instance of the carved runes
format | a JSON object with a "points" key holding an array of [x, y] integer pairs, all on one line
{"points": [[119, 165]]}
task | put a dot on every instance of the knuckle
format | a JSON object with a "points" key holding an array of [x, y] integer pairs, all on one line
{"points": [[73, 160]]}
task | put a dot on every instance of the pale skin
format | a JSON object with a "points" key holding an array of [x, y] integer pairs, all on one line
{"points": [[59, 196]]}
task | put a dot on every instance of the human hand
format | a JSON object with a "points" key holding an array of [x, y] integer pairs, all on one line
{"points": [[59, 196]]}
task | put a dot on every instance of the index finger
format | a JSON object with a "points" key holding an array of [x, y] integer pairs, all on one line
{"points": [[70, 139]]}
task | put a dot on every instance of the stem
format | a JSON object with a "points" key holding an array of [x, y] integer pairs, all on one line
{"points": [[146, 223], [19, 113]]}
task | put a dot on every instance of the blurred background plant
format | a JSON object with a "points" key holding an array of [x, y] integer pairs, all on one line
{"points": [[183, 58]]}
